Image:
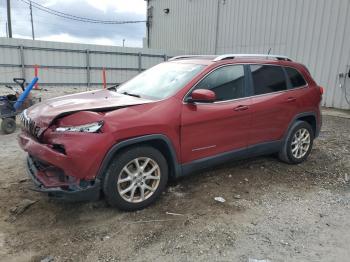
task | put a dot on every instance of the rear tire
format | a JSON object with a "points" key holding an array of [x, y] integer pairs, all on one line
{"points": [[298, 143], [8, 125], [135, 178]]}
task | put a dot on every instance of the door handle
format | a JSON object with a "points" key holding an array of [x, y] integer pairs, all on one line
{"points": [[291, 99], [241, 108]]}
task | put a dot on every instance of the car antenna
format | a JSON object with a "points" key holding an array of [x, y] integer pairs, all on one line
{"points": [[268, 53]]}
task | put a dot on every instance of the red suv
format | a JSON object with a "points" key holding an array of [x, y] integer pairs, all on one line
{"points": [[176, 118]]}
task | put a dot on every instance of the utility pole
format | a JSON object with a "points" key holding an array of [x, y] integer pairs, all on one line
{"points": [[31, 18], [123, 42], [9, 25]]}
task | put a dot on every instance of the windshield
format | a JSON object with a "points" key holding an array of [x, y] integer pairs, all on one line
{"points": [[160, 81]]}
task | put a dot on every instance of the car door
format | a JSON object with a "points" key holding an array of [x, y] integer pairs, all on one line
{"points": [[296, 96], [271, 106], [208, 129]]}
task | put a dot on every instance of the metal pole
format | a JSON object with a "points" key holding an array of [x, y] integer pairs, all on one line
{"points": [[140, 62], [88, 68], [123, 42], [9, 25], [21, 54], [148, 24], [104, 78], [36, 73], [31, 18]]}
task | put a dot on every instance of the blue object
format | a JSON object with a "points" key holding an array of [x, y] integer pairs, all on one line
{"points": [[25, 94]]}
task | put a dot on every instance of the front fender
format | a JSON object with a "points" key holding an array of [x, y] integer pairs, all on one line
{"points": [[139, 140]]}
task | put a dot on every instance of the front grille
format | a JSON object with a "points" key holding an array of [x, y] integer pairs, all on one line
{"points": [[28, 124]]}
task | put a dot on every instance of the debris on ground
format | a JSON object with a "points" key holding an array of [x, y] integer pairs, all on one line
{"points": [[173, 214], [220, 199], [19, 209], [22, 206], [48, 259], [284, 243], [258, 260], [176, 190], [105, 238], [22, 180], [237, 196]]}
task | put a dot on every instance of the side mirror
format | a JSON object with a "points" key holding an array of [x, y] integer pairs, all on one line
{"points": [[202, 96]]}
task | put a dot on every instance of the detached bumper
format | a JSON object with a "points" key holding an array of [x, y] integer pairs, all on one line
{"points": [[67, 192]]}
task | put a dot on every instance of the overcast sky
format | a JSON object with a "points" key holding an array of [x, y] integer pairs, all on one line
{"points": [[52, 28]]}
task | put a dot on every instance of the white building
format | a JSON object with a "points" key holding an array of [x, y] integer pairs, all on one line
{"points": [[314, 32]]}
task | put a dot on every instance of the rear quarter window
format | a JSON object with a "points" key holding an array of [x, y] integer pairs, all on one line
{"points": [[296, 79]]}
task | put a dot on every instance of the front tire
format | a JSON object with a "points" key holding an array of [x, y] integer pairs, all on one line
{"points": [[298, 144], [136, 177]]}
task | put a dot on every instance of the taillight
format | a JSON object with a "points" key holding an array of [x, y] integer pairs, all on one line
{"points": [[321, 90]]}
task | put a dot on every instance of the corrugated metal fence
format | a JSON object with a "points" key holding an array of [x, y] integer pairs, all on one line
{"points": [[65, 64]]}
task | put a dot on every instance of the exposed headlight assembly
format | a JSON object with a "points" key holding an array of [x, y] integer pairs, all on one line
{"points": [[87, 128]]}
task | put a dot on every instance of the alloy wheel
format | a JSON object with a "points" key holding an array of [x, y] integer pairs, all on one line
{"points": [[138, 179], [301, 143]]}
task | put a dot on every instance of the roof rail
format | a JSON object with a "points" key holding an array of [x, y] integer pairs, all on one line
{"points": [[191, 56], [233, 56]]}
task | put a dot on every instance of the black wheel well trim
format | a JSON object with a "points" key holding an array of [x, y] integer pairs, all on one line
{"points": [[174, 165], [297, 118]]}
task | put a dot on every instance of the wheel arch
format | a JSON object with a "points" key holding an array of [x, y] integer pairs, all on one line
{"points": [[158, 141], [309, 117], [311, 120]]}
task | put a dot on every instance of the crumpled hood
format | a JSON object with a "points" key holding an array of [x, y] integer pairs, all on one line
{"points": [[44, 113]]}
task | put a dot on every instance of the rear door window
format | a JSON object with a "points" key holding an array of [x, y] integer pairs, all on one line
{"points": [[296, 79], [268, 79]]}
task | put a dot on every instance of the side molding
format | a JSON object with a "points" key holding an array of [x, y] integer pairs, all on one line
{"points": [[251, 151]]}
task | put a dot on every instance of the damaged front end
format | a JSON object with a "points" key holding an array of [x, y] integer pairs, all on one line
{"points": [[67, 139], [51, 180], [64, 158]]}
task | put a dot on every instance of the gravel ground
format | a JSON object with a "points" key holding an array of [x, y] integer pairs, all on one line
{"points": [[272, 211]]}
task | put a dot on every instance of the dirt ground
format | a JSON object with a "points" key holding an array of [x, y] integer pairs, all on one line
{"points": [[273, 211]]}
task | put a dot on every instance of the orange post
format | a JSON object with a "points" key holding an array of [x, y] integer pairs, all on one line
{"points": [[36, 72], [104, 78]]}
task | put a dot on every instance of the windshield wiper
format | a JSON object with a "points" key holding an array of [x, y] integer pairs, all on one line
{"points": [[129, 94]]}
